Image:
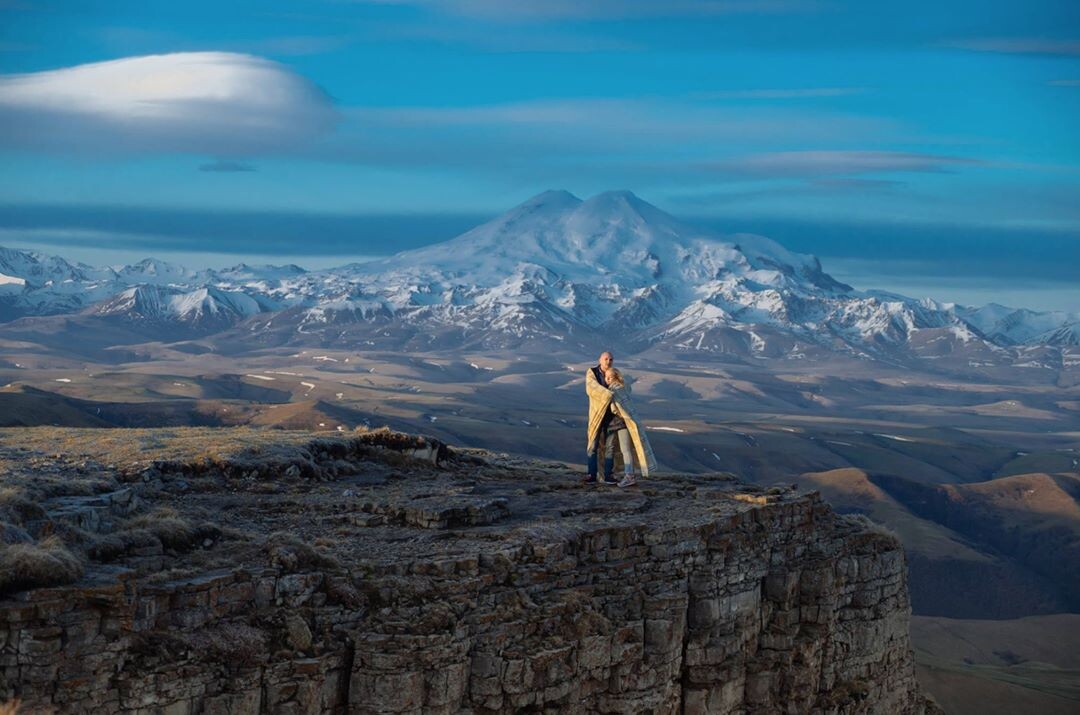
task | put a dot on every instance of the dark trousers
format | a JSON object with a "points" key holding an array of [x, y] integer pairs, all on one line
{"points": [[594, 457]]}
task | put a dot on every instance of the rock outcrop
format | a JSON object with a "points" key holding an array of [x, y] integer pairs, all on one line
{"points": [[483, 587]]}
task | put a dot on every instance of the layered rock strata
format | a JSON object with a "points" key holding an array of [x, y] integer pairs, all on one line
{"points": [[481, 587]]}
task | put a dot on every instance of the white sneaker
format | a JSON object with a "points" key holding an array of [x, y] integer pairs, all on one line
{"points": [[628, 481]]}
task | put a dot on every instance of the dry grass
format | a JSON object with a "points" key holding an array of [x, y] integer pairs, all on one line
{"points": [[873, 526], [133, 449], [292, 554], [16, 508], [46, 563], [24, 484], [231, 451], [108, 547], [173, 530], [168, 526], [13, 534]]}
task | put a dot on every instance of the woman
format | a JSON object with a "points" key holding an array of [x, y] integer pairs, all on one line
{"points": [[624, 427]]}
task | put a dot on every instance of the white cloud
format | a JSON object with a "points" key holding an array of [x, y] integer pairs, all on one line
{"points": [[817, 163], [217, 103]]}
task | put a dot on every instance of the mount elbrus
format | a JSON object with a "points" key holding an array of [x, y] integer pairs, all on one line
{"points": [[612, 270]]}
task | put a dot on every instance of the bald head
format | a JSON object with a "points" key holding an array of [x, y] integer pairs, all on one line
{"points": [[606, 360]]}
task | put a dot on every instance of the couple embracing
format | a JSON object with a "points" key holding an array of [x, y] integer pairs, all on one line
{"points": [[613, 420]]}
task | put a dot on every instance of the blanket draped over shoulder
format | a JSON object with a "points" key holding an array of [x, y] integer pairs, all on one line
{"points": [[601, 401], [599, 405], [624, 406]]}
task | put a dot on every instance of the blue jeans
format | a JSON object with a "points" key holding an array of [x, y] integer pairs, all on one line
{"points": [[608, 445], [626, 449]]}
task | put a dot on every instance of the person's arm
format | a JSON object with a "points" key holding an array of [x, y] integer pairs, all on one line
{"points": [[617, 395]]}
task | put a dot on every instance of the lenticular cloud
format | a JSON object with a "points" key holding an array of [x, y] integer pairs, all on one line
{"points": [[217, 103]]}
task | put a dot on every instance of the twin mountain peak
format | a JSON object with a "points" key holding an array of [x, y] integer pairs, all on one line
{"points": [[611, 269]]}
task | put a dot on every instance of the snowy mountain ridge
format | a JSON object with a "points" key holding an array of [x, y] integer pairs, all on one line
{"points": [[611, 269]]}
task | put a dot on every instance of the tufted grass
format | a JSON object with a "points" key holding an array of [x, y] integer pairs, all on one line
{"points": [[45, 563]]}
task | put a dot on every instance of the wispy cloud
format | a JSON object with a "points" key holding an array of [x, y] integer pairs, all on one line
{"points": [[824, 163], [548, 10], [216, 103], [299, 45], [213, 231], [135, 41], [740, 194], [227, 167], [1018, 45], [800, 93], [1064, 83], [613, 120], [603, 141], [858, 184], [508, 39]]}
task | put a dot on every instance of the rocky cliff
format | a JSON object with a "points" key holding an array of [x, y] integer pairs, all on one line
{"points": [[345, 576]]}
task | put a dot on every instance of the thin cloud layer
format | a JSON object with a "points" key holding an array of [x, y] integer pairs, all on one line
{"points": [[531, 10], [1019, 45], [226, 167], [826, 163], [574, 137], [798, 93], [208, 103]]}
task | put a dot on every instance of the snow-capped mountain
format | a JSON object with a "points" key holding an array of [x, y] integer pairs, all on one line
{"points": [[38, 270], [613, 264], [151, 270], [555, 270], [1020, 326], [202, 307]]}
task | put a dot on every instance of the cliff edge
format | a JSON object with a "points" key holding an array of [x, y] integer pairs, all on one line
{"points": [[381, 573]]}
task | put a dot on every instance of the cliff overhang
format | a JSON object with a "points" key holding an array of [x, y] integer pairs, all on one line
{"points": [[370, 579]]}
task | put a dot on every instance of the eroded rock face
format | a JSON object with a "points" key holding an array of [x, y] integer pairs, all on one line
{"points": [[489, 588]]}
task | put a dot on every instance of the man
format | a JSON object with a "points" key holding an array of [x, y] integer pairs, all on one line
{"points": [[600, 415]]}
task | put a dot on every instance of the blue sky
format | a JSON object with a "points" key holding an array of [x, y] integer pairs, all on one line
{"points": [[901, 142]]}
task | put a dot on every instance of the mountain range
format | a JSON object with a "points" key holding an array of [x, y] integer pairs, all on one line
{"points": [[612, 270]]}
